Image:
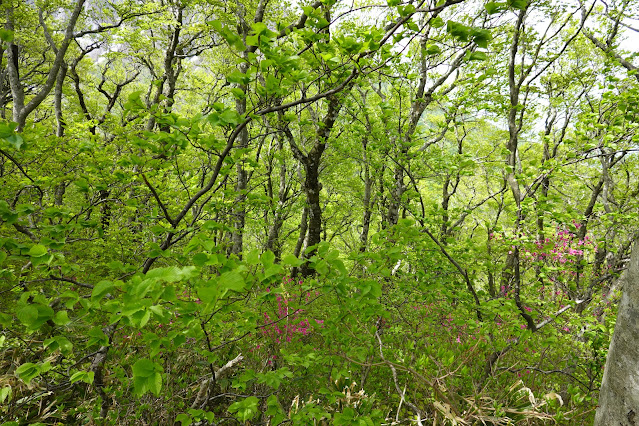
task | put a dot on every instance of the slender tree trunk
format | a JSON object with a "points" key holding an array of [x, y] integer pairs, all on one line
{"points": [[21, 110], [239, 210], [368, 187], [619, 396], [58, 100], [273, 242], [302, 235]]}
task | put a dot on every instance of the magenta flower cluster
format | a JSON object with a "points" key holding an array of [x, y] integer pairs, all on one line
{"points": [[289, 322]]}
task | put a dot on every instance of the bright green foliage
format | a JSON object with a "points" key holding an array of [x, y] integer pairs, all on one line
{"points": [[327, 213]]}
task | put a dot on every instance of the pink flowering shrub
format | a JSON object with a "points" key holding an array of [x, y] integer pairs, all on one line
{"points": [[561, 248], [288, 321]]}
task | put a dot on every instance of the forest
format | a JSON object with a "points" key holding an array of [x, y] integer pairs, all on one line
{"points": [[349, 212]]}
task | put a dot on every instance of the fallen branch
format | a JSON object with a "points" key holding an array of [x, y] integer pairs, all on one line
{"points": [[208, 384]]}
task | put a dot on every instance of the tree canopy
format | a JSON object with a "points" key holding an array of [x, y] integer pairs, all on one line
{"points": [[329, 212]]}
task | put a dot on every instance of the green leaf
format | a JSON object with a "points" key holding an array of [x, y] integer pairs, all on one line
{"points": [[5, 395], [82, 185], [61, 318], [481, 37], [173, 273], [433, 49], [237, 77], [6, 320], [477, 56], [6, 35], [231, 280], [143, 368], [246, 409], [29, 371], [209, 292], [15, 140], [437, 22], [291, 260], [495, 7], [185, 419], [238, 93], [7, 130], [229, 116], [60, 343], [406, 10], [155, 383], [84, 376], [101, 289], [147, 377], [97, 337], [27, 315], [518, 4], [459, 31], [200, 259], [268, 258], [37, 250]]}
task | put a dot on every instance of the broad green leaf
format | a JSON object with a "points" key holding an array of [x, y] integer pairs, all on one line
{"points": [[82, 185], [433, 49], [481, 37], [268, 258], [144, 368], [291, 260], [200, 259], [37, 250], [173, 273], [495, 7], [208, 292], [84, 376], [237, 77], [29, 371], [147, 377], [101, 289], [457, 30], [5, 320], [406, 10], [7, 130], [15, 140], [184, 419], [6, 35], [246, 409], [232, 280], [27, 315], [5, 395], [274, 269], [437, 22], [97, 337], [477, 56], [518, 4], [60, 343], [61, 318]]}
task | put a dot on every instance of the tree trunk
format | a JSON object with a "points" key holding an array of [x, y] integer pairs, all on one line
{"points": [[368, 189], [619, 393], [239, 210], [312, 187]]}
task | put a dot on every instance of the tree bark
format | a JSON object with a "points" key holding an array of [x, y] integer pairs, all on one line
{"points": [[20, 110], [619, 393], [368, 189]]}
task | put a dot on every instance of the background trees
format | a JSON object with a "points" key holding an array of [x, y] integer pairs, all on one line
{"points": [[333, 212]]}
